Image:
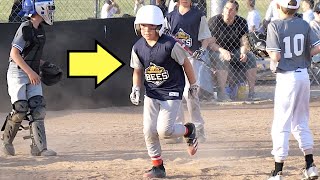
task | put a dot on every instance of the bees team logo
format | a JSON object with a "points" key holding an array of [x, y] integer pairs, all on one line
{"points": [[184, 37], [156, 74]]}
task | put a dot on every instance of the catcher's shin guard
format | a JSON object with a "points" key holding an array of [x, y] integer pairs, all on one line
{"points": [[37, 129], [38, 139], [10, 131], [12, 124]]}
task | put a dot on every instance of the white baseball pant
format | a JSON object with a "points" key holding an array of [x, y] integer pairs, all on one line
{"points": [[291, 113]]}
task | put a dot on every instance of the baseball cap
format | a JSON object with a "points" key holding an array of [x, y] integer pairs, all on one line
{"points": [[285, 4], [317, 8]]}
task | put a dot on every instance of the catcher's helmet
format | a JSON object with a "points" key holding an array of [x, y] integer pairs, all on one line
{"points": [[44, 8], [257, 41], [149, 14], [50, 73]]}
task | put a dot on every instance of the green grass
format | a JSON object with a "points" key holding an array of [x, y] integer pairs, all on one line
{"points": [[84, 9]]}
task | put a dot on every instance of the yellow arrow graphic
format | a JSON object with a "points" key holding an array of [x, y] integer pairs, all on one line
{"points": [[99, 64]]}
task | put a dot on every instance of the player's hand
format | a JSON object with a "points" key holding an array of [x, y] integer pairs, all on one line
{"points": [[34, 78], [243, 57], [273, 66], [198, 53], [135, 95], [193, 91], [226, 55]]}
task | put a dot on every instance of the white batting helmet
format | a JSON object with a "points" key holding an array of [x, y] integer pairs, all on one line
{"points": [[149, 14]]}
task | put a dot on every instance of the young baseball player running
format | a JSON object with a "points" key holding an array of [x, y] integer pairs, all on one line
{"points": [[290, 42], [161, 60], [24, 85], [188, 24]]}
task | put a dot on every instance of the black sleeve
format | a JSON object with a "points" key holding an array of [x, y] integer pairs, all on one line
{"points": [[244, 26], [212, 26]]}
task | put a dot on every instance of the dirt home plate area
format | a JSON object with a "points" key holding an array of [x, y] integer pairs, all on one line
{"points": [[108, 143]]}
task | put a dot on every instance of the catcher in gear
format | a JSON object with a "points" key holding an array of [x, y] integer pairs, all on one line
{"points": [[24, 81], [257, 43]]}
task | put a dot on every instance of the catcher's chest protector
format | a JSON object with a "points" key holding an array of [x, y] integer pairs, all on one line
{"points": [[35, 40]]}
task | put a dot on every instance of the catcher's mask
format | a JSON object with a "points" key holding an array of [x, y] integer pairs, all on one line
{"points": [[44, 8]]}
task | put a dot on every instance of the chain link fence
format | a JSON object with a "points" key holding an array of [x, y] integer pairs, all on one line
{"points": [[237, 82]]}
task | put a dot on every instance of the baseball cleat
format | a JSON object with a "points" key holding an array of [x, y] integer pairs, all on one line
{"points": [[155, 172], [277, 176], [311, 173], [191, 139], [48, 152]]}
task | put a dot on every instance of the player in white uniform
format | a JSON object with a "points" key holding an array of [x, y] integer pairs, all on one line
{"points": [[291, 43], [163, 62]]}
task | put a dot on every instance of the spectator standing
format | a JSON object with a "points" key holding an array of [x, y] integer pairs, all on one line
{"points": [[307, 6], [109, 9], [253, 17], [137, 5]]}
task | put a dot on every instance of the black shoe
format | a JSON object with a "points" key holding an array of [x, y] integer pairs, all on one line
{"points": [[191, 139], [156, 172]]}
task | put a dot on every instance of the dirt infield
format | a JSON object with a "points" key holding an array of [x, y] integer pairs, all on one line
{"points": [[108, 144]]}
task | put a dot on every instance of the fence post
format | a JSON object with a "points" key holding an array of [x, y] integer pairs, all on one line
{"points": [[96, 12]]}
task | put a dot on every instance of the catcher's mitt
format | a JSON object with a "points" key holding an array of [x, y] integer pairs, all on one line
{"points": [[50, 73], [257, 43]]}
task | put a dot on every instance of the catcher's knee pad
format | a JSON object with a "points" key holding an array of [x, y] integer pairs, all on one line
{"points": [[13, 122], [20, 110], [37, 106]]}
